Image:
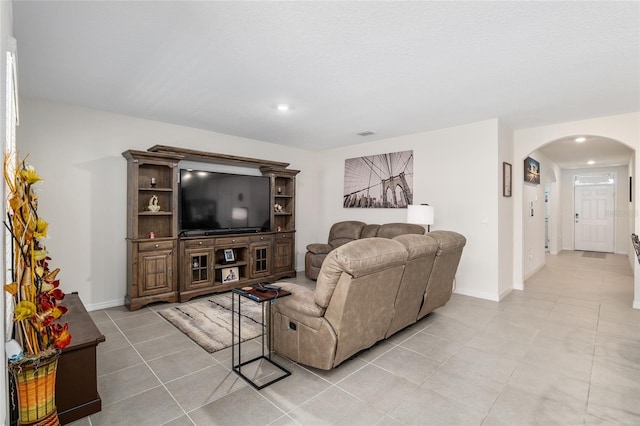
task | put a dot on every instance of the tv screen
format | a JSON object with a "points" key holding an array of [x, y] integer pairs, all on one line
{"points": [[222, 202]]}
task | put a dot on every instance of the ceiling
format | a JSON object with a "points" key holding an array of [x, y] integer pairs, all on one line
{"points": [[603, 152], [393, 68]]}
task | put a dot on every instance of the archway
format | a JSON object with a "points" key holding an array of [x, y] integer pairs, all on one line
{"points": [[567, 159], [624, 129]]}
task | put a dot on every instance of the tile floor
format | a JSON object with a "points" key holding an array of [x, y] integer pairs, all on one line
{"points": [[565, 351]]}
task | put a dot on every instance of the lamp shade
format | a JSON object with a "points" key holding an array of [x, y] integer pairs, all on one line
{"points": [[421, 214]]}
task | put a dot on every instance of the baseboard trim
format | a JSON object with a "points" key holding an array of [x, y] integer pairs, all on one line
{"points": [[531, 273], [478, 294], [505, 293], [104, 305]]}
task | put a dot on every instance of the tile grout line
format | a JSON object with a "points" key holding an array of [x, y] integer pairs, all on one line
{"points": [[593, 359], [152, 371]]}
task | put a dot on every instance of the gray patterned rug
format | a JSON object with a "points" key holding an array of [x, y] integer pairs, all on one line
{"points": [[208, 321]]}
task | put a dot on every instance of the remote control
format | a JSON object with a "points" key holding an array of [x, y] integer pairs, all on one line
{"points": [[272, 287]]}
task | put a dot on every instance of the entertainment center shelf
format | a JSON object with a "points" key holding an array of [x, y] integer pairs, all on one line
{"points": [[165, 265]]}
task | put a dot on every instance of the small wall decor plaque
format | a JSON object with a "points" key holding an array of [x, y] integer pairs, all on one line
{"points": [[531, 171]]}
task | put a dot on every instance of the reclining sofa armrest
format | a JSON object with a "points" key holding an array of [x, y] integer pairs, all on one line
{"points": [[300, 305], [319, 248]]}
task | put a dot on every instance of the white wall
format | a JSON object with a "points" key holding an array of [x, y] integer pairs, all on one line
{"points": [[533, 227], [505, 214], [621, 213], [556, 195], [624, 128], [83, 195], [457, 171]]}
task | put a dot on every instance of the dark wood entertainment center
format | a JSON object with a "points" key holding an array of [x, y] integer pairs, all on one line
{"points": [[164, 266]]}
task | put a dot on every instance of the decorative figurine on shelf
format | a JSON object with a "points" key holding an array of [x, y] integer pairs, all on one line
{"points": [[153, 182], [279, 189], [277, 208], [152, 235], [153, 204]]}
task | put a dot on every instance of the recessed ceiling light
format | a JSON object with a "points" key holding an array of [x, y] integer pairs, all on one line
{"points": [[283, 107], [580, 139], [590, 162]]}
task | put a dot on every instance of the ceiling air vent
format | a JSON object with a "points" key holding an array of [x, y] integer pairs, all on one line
{"points": [[366, 133]]}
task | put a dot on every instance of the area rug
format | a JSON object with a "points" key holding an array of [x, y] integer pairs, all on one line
{"points": [[208, 321], [594, 254]]}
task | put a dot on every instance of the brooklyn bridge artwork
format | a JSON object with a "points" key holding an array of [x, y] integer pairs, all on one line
{"points": [[379, 181]]}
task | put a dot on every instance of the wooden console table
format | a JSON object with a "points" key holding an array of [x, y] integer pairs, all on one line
{"points": [[76, 381]]}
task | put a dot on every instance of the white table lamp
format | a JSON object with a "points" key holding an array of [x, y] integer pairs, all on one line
{"points": [[421, 214]]}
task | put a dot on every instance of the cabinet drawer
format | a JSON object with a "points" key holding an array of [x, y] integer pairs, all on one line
{"points": [[156, 245], [231, 241], [190, 244], [284, 235], [261, 238]]}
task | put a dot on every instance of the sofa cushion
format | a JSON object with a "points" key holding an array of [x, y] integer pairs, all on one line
{"points": [[316, 261], [364, 257], [449, 241], [319, 248], [337, 242], [418, 245], [370, 230], [346, 231], [301, 306], [357, 258], [390, 230]]}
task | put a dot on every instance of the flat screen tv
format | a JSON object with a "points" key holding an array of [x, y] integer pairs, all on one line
{"points": [[212, 203]]}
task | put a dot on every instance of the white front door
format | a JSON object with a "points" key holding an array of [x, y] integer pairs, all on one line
{"points": [[594, 219]]}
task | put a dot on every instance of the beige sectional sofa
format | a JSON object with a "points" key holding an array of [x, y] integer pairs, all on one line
{"points": [[367, 290], [347, 231]]}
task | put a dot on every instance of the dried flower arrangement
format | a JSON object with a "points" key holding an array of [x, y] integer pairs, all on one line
{"points": [[35, 288]]}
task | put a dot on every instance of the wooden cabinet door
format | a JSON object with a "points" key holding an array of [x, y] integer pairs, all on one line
{"points": [[155, 272], [260, 260], [198, 267], [284, 252]]}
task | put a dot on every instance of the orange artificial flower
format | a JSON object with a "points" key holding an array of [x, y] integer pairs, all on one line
{"points": [[62, 336]]}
